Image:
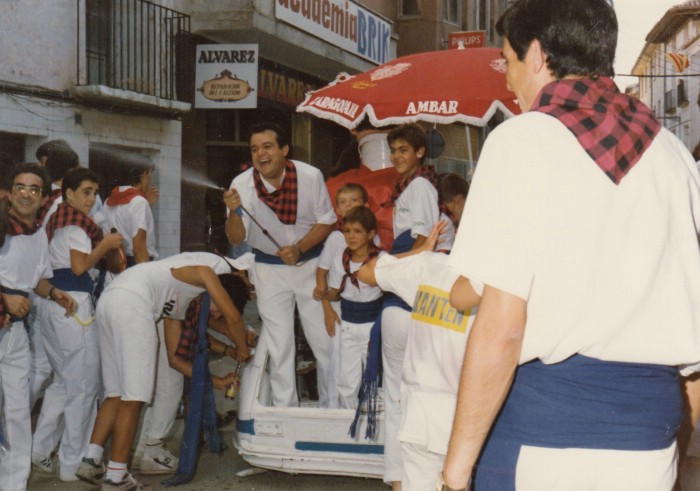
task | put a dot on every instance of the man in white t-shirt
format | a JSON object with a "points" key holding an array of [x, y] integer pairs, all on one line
{"points": [[294, 215], [582, 222]]}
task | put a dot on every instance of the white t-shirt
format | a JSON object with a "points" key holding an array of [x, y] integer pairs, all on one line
{"points": [[24, 260], [334, 245], [416, 209], [313, 206], [437, 338], [128, 219], [361, 293], [65, 239], [154, 283], [608, 271]]}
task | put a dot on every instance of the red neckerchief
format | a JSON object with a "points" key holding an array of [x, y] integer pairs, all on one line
{"points": [[41, 215], [18, 227], [118, 197], [372, 252], [188, 334], [283, 200], [67, 215], [424, 171], [614, 129]]}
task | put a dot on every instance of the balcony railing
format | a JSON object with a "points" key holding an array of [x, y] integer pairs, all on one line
{"points": [[133, 45]]}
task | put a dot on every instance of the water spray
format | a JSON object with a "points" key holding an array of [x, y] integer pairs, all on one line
{"points": [[197, 179]]}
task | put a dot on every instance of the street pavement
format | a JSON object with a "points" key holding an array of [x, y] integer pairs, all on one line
{"points": [[219, 473]]}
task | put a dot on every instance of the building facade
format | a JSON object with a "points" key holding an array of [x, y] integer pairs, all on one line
{"points": [[668, 68], [117, 80]]}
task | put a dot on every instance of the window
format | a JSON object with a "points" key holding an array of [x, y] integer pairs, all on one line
{"points": [[453, 11], [670, 102], [133, 45], [410, 8], [682, 97]]}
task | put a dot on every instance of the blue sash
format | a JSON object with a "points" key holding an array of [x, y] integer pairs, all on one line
{"points": [[265, 258], [581, 402], [402, 243], [68, 281], [360, 312], [372, 376], [201, 412]]}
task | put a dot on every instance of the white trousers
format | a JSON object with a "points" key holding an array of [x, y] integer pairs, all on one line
{"points": [[395, 322], [353, 356], [159, 416], [70, 401], [40, 368], [15, 361], [421, 467], [576, 469], [334, 363], [278, 288]]}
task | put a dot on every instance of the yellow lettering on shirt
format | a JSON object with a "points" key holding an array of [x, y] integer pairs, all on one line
{"points": [[432, 306]]}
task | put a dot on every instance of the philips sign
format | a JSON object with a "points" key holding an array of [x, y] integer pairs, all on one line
{"points": [[342, 23]]}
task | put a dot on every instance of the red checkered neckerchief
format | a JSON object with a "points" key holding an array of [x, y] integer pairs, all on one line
{"points": [[41, 215], [424, 171], [119, 197], [283, 200], [188, 333], [18, 227], [614, 129], [67, 215], [372, 252]]}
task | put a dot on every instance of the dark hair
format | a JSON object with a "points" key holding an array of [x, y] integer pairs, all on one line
{"points": [[411, 133], [134, 168], [29, 168], [578, 36], [451, 185], [362, 215], [349, 187], [696, 152], [281, 135], [236, 289], [46, 148], [75, 177], [4, 222], [60, 158]]}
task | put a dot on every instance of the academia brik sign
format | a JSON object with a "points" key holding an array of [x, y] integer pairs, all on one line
{"points": [[342, 23]]}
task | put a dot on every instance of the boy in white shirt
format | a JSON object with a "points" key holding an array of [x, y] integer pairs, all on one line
{"points": [[360, 304]]}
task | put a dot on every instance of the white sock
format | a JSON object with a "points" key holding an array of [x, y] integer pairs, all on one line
{"points": [[95, 452], [116, 471]]}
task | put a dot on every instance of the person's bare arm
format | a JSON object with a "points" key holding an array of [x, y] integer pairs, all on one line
{"points": [[80, 262], [172, 329], [490, 361], [235, 229], [462, 296], [206, 277], [140, 248]]}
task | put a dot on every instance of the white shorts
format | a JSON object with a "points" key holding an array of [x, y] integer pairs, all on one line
{"points": [[541, 469], [128, 345]]}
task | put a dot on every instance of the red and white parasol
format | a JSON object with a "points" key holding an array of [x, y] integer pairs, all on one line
{"points": [[442, 87]]}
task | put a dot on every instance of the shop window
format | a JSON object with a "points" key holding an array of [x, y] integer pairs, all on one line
{"points": [[453, 11], [410, 8]]}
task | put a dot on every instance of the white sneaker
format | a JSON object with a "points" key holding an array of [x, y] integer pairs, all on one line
{"points": [[90, 471], [126, 484], [163, 463], [44, 465]]}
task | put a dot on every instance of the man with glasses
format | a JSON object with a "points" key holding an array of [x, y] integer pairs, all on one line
{"points": [[24, 266]]}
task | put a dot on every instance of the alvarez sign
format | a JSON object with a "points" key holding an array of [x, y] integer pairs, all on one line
{"points": [[342, 23], [226, 76]]}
